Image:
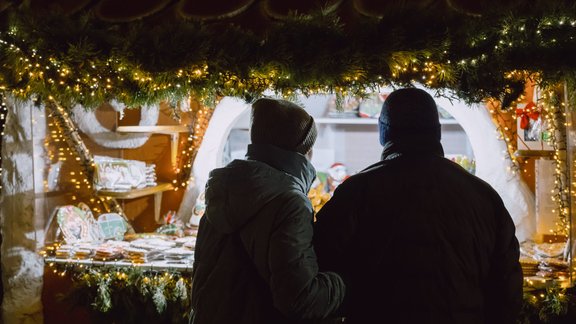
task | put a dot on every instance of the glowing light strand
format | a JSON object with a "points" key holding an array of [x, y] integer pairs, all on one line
{"points": [[556, 120]]}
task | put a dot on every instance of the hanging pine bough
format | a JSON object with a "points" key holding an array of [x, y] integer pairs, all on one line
{"points": [[128, 294], [78, 59]]}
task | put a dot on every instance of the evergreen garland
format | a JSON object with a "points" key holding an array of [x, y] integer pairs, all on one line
{"points": [[81, 59], [548, 305], [128, 294], [135, 295]]}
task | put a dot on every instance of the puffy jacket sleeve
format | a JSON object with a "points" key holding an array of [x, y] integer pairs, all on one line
{"points": [[299, 290], [503, 293]]}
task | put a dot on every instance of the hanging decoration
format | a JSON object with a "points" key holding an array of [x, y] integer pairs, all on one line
{"points": [[88, 123], [527, 113]]}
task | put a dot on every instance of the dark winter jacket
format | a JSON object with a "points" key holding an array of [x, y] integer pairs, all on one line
{"points": [[417, 239], [254, 260]]}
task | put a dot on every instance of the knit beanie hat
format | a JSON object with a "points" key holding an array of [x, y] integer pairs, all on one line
{"points": [[409, 114], [282, 124]]}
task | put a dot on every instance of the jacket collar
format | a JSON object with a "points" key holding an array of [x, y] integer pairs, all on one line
{"points": [[292, 163], [412, 146]]}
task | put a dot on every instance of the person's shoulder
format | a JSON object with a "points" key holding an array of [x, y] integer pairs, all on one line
{"points": [[374, 167], [369, 172], [471, 179], [360, 179], [249, 169]]}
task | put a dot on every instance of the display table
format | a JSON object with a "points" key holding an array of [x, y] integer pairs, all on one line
{"points": [[160, 265]]}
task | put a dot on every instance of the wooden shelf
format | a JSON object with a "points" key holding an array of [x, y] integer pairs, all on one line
{"points": [[158, 129], [365, 121], [172, 130], [136, 193], [53, 194], [160, 265], [534, 153]]}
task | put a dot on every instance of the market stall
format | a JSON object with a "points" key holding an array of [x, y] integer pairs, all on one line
{"points": [[113, 115]]}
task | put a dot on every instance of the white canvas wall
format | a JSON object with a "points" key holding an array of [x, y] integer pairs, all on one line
{"points": [[22, 266]]}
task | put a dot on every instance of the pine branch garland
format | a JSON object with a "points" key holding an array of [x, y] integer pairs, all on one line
{"points": [[79, 59], [128, 294]]}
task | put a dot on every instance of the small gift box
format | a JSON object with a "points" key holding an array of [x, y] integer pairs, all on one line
{"points": [[532, 131]]}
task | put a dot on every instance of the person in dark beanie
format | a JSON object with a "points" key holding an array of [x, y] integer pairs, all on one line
{"points": [[417, 238], [254, 261]]}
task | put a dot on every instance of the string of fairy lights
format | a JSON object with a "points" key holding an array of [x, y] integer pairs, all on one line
{"points": [[3, 116], [504, 132], [554, 113], [72, 163], [552, 110], [201, 116], [107, 79]]}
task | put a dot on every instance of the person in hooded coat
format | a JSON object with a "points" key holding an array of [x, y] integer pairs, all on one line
{"points": [[254, 261], [417, 238]]}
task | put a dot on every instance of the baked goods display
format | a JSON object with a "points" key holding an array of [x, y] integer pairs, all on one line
{"points": [[138, 251], [85, 238]]}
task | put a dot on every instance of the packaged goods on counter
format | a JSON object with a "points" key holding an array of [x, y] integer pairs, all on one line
{"points": [[82, 238]]}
